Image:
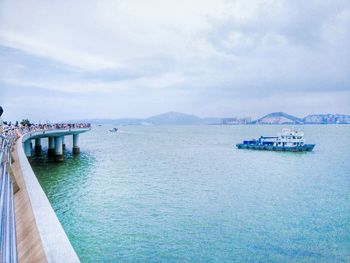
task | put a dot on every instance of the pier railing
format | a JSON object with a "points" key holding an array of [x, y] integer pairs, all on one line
{"points": [[55, 242], [51, 127], [8, 244]]}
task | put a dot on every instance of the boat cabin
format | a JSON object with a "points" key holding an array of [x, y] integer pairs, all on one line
{"points": [[290, 138]]}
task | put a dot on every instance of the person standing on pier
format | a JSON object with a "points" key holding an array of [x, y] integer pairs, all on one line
{"points": [[1, 124]]}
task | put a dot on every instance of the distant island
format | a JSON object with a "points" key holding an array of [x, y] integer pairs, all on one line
{"points": [[177, 118]]}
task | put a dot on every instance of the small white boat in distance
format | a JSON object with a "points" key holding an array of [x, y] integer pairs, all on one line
{"points": [[114, 130]]}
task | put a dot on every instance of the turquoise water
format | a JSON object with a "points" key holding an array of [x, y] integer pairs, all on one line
{"points": [[185, 194]]}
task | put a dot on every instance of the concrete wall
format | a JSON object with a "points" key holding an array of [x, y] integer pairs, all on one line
{"points": [[55, 242]]}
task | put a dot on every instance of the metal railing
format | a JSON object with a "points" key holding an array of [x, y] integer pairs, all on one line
{"points": [[8, 243]]}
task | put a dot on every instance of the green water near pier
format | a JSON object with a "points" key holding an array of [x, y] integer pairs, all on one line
{"points": [[185, 194]]}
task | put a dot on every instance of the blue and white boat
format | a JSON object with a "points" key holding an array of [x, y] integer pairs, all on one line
{"points": [[289, 140]]}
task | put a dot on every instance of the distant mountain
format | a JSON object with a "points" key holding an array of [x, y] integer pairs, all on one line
{"points": [[278, 118], [173, 118], [168, 118]]}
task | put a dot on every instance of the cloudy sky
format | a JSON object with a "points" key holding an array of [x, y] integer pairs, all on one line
{"points": [[135, 58]]}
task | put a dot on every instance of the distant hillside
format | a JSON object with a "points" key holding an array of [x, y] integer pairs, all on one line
{"points": [[173, 118], [278, 118], [169, 118]]}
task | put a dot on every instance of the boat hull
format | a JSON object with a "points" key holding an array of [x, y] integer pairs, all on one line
{"points": [[303, 148]]}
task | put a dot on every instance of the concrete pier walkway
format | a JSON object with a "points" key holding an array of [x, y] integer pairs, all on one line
{"points": [[29, 246], [40, 236]]}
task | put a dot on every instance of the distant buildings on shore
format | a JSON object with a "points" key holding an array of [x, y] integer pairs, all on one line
{"points": [[327, 119], [236, 121], [283, 118]]}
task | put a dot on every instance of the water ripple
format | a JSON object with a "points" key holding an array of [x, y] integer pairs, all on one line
{"points": [[186, 194]]}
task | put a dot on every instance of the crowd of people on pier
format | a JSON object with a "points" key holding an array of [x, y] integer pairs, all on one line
{"points": [[46, 127], [18, 131], [57, 126], [22, 128]]}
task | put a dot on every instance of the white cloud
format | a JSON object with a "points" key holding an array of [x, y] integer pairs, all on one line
{"points": [[75, 58], [105, 34], [215, 50], [154, 82]]}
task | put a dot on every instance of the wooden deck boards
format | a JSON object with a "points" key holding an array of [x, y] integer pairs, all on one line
{"points": [[29, 245]]}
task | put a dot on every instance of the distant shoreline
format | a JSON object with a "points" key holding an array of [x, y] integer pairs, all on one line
{"points": [[176, 118]]}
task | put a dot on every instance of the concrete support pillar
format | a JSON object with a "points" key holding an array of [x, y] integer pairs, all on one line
{"points": [[28, 148], [58, 149], [38, 146], [76, 149], [63, 144], [51, 145]]}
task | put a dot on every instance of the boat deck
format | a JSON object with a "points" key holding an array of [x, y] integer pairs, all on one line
{"points": [[303, 148]]}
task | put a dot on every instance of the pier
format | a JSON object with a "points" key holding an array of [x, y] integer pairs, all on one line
{"points": [[55, 141], [30, 229]]}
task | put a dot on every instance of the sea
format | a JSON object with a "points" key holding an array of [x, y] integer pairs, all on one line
{"points": [[186, 194]]}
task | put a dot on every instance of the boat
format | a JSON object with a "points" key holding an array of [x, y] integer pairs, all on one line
{"points": [[114, 130], [289, 140]]}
